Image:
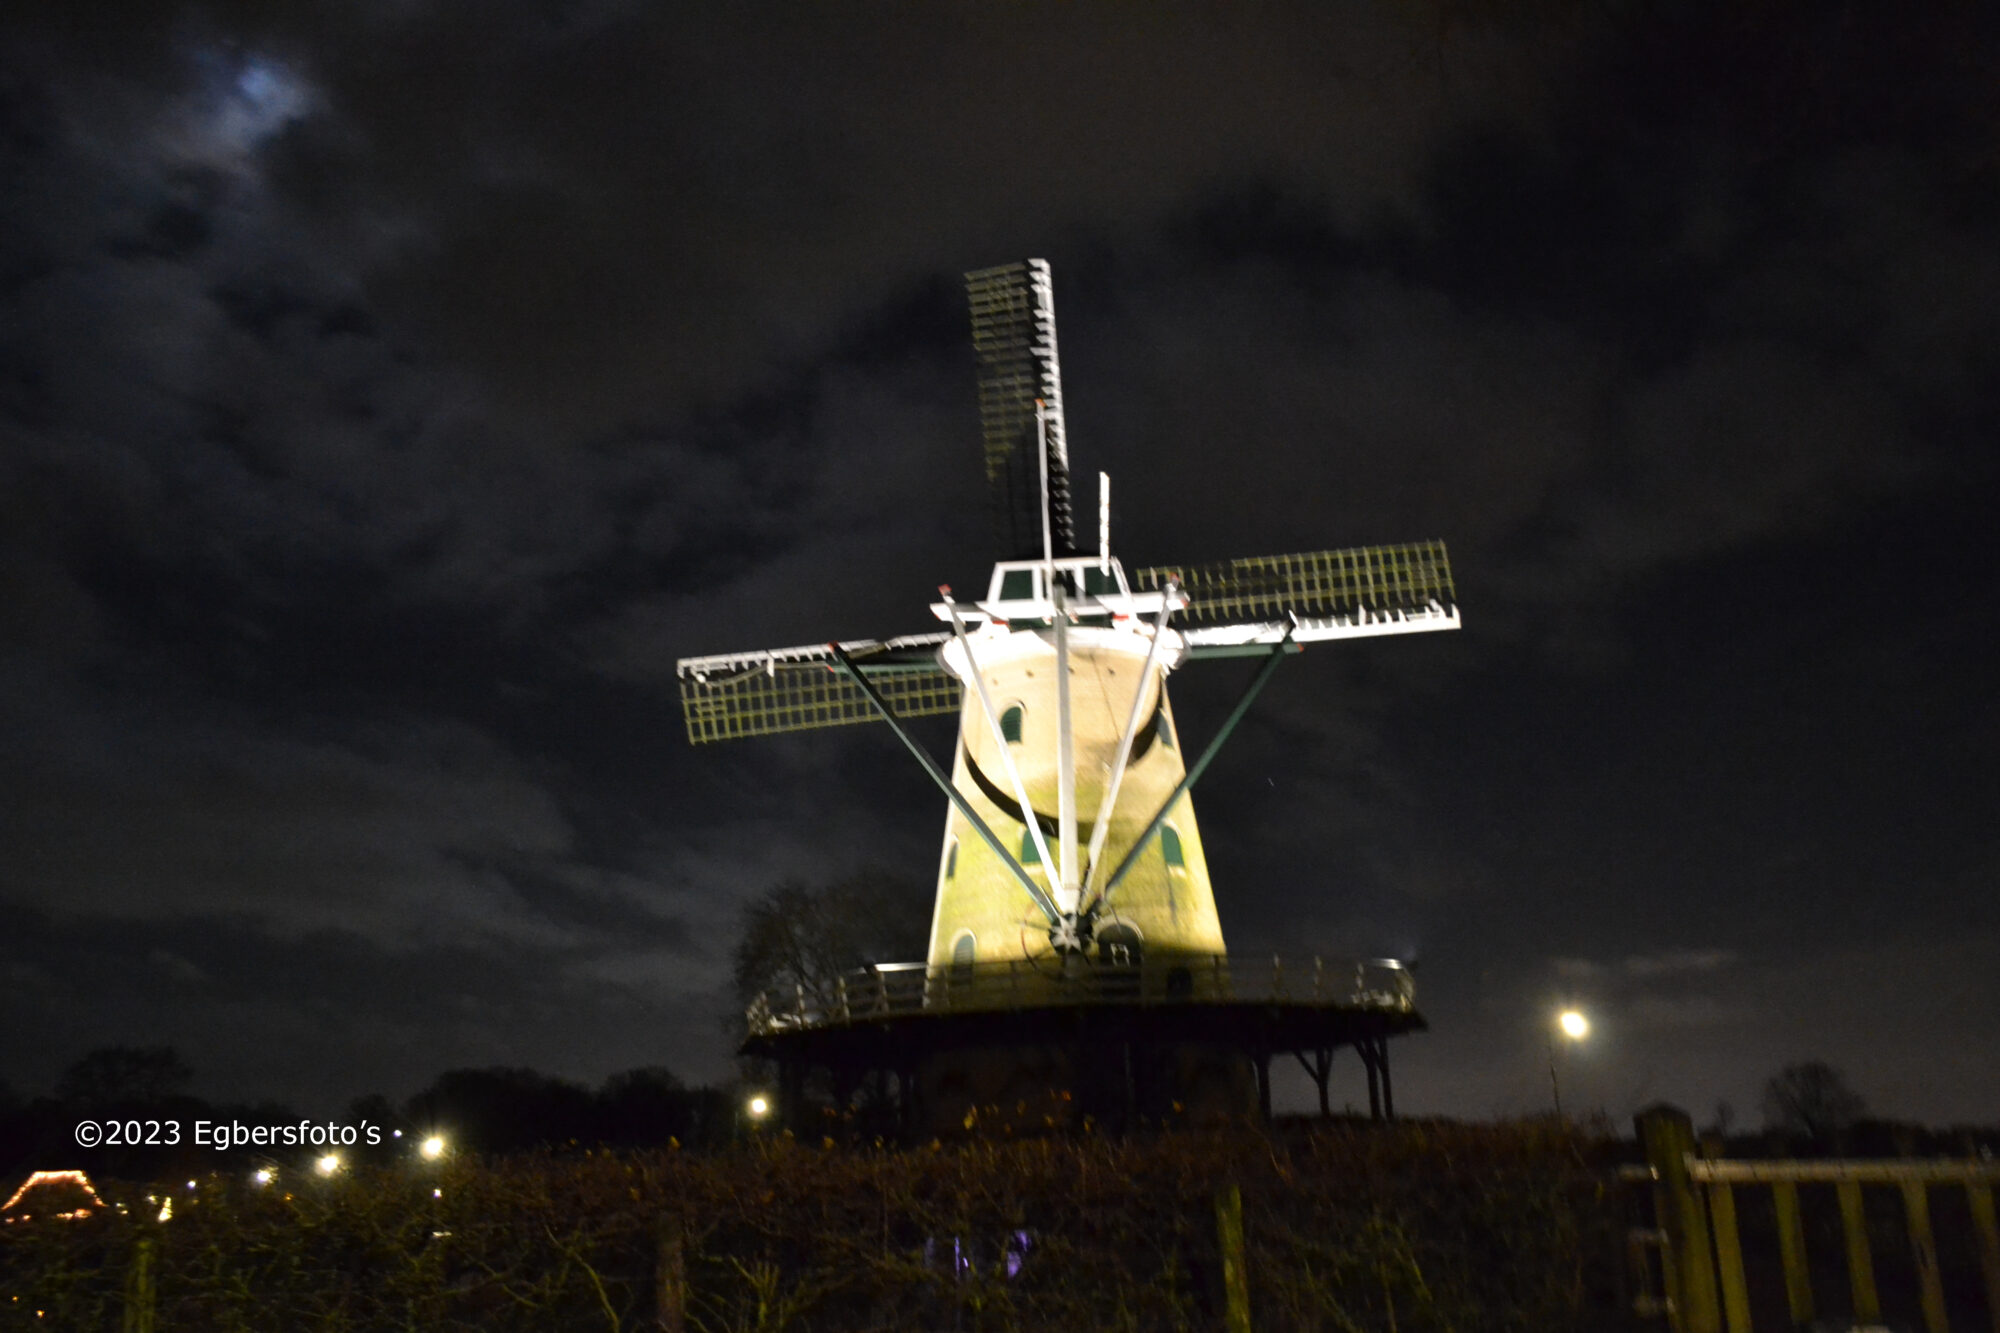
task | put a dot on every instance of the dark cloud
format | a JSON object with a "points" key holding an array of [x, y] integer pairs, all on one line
{"points": [[389, 395]]}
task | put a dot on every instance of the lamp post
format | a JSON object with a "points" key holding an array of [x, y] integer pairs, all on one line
{"points": [[1574, 1027]]}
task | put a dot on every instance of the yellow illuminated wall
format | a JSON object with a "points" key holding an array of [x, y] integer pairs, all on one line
{"points": [[1171, 907]]}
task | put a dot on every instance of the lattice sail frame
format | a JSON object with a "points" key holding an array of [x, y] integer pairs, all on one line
{"points": [[1414, 576], [1014, 339], [800, 689]]}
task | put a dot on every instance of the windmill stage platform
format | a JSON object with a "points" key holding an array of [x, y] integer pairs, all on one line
{"points": [[1125, 1043]]}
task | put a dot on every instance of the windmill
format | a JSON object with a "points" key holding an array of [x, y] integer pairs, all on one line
{"points": [[1069, 837]]}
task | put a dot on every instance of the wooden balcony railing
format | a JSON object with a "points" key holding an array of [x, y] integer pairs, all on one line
{"points": [[894, 989]]}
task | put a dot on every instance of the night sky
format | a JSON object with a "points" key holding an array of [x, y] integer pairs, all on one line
{"points": [[391, 392]]}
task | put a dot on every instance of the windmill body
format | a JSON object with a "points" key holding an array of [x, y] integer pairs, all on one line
{"points": [[1165, 904]]}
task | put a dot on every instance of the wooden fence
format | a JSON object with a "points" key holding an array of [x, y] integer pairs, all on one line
{"points": [[1691, 1263]]}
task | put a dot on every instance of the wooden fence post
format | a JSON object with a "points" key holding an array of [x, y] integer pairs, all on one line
{"points": [[1792, 1252], [1860, 1263], [1729, 1257], [1923, 1249], [672, 1276], [1235, 1274], [1980, 1197], [1667, 1134], [139, 1291]]}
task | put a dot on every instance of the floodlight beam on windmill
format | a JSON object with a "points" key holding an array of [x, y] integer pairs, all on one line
{"points": [[1066, 660]]}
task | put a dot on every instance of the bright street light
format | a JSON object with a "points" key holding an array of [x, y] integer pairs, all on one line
{"points": [[328, 1164], [1573, 1025], [432, 1147], [760, 1106]]}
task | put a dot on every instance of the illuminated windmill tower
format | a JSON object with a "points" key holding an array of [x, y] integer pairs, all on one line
{"points": [[1072, 870]]}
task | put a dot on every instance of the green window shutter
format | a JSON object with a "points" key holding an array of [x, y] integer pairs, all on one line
{"points": [[1029, 856], [1010, 724], [1170, 847], [951, 862], [1166, 730]]}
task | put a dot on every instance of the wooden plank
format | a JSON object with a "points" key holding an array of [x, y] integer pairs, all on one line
{"points": [[1867, 1171], [1860, 1264], [1981, 1199], [1729, 1258], [1792, 1253], [1923, 1249]]}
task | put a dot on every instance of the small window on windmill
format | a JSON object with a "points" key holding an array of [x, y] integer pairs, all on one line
{"points": [[1010, 723], [1099, 582], [951, 861], [1017, 585], [1030, 855], [962, 950], [1170, 848], [1166, 730]]}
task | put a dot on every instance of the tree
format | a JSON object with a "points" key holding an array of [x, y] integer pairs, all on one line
{"points": [[646, 1106], [798, 937], [123, 1076], [503, 1110], [1811, 1099]]}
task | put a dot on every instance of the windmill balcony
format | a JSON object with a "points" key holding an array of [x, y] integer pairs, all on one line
{"points": [[897, 990]]}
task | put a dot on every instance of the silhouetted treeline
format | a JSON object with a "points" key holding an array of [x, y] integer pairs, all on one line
{"points": [[498, 1110], [510, 1110]]}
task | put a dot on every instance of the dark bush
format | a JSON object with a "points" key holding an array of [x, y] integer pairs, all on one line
{"points": [[1414, 1227]]}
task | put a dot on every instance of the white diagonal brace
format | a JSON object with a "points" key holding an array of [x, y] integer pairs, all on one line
{"points": [[1104, 808], [953, 794], [999, 736]]}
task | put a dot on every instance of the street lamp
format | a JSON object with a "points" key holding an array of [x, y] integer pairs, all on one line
{"points": [[759, 1107], [432, 1148], [1574, 1027]]}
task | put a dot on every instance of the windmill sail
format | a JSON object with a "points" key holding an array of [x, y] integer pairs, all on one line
{"points": [[798, 689], [1362, 591], [1014, 337]]}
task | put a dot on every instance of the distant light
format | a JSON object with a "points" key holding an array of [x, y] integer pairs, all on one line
{"points": [[437, 1194], [328, 1164], [39, 1178], [432, 1147], [190, 1184], [262, 1176], [1574, 1025], [759, 1106], [397, 1133]]}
